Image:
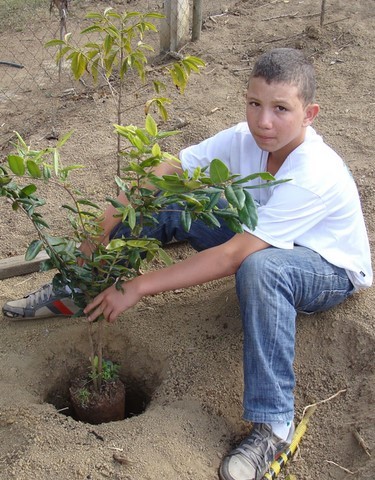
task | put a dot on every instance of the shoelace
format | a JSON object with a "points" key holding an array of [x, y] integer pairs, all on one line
{"points": [[43, 294], [258, 448]]}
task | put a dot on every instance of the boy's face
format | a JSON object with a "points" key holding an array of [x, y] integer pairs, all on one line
{"points": [[277, 117]]}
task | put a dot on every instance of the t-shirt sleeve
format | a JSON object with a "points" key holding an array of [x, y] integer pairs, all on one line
{"points": [[289, 213], [201, 155]]}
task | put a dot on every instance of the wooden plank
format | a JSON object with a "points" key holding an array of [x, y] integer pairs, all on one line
{"points": [[14, 266]]}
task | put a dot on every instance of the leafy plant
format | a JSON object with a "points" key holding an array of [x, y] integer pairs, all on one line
{"points": [[198, 196], [84, 395], [118, 48], [103, 370], [87, 275], [110, 370]]}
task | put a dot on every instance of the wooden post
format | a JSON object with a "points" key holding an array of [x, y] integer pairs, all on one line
{"points": [[322, 12], [164, 30], [174, 29], [197, 20]]}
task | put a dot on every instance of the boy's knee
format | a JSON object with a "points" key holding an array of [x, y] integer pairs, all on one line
{"points": [[259, 268], [257, 262]]}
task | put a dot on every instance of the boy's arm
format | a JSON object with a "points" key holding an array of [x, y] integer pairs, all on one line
{"points": [[211, 264]]}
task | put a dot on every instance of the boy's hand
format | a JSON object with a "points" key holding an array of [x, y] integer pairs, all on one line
{"points": [[111, 302], [87, 247]]}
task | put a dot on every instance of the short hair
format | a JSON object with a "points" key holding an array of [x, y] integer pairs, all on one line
{"points": [[287, 65]]}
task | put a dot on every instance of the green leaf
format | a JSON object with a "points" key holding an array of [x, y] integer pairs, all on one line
{"points": [[240, 194], [46, 172], [16, 164], [115, 202], [142, 243], [40, 221], [151, 126], [167, 185], [33, 249], [234, 224], [64, 139], [214, 199], [54, 43], [21, 141], [88, 214], [156, 150], [4, 180], [162, 111], [135, 168], [219, 172], [61, 53], [47, 265], [210, 219], [137, 142], [153, 15], [109, 63], [94, 15], [131, 217], [78, 65], [190, 200], [29, 189], [108, 43], [68, 207], [121, 184], [195, 60], [179, 76], [95, 69], [89, 203], [116, 244], [251, 211], [164, 257], [33, 169], [185, 220], [225, 213], [193, 63], [143, 136], [265, 176], [231, 196], [193, 184]]}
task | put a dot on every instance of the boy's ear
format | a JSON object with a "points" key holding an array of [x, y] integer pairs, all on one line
{"points": [[311, 113]]}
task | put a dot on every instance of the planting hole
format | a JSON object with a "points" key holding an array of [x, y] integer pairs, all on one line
{"points": [[137, 397]]}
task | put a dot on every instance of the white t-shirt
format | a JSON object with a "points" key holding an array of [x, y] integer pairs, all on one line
{"points": [[319, 208]]}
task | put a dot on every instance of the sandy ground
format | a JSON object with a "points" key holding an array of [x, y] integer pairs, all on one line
{"points": [[180, 353]]}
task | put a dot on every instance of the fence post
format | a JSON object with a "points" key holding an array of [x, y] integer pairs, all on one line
{"points": [[174, 29], [197, 20]]}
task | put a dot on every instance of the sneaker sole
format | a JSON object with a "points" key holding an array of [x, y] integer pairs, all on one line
{"points": [[59, 310], [19, 318]]}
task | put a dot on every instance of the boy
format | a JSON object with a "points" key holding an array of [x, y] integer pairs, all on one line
{"points": [[308, 253]]}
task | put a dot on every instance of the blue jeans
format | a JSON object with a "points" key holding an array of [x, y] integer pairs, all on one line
{"points": [[273, 285]]}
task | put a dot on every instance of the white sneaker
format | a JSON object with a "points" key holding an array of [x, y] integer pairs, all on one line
{"points": [[253, 457]]}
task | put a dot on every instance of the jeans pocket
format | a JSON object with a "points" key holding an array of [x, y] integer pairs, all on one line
{"points": [[326, 300]]}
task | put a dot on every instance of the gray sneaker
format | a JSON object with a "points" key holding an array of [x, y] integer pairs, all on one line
{"points": [[252, 458], [42, 303]]}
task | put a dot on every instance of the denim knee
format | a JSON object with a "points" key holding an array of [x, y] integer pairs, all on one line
{"points": [[256, 268]]}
